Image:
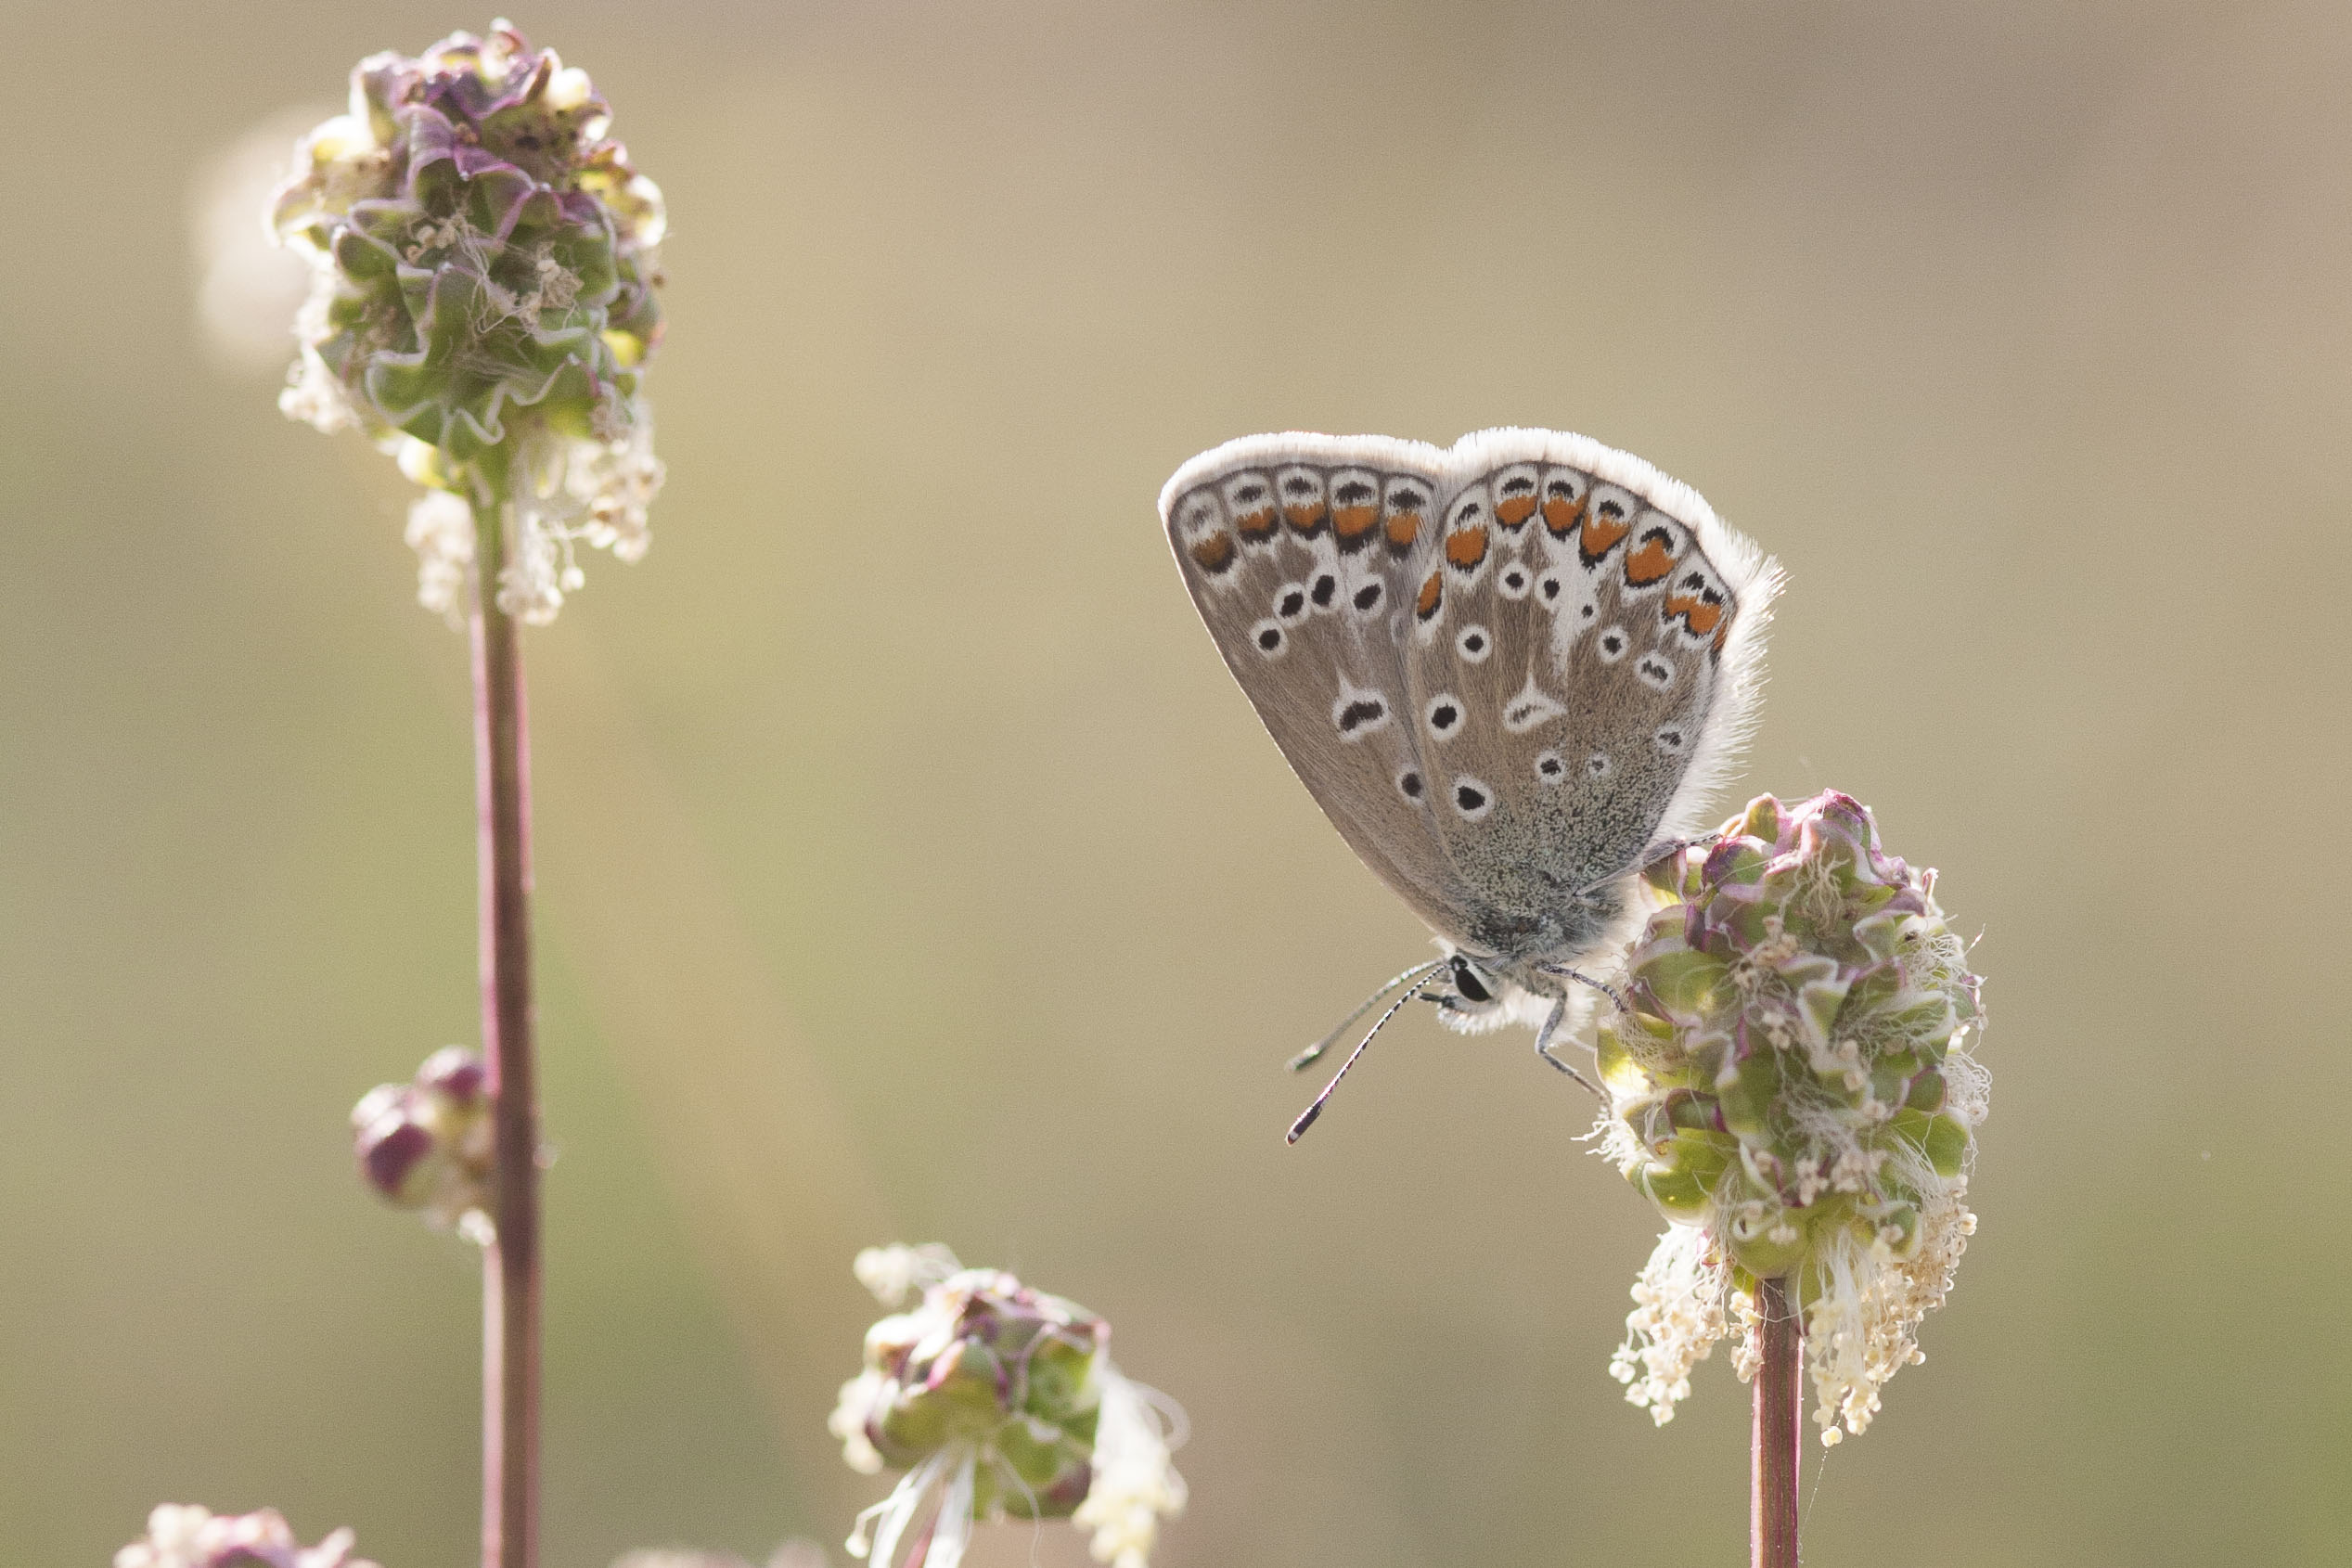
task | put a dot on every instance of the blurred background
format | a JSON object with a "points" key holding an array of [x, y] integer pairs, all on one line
{"points": [[910, 868]]}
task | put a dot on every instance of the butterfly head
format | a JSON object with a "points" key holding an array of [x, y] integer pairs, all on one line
{"points": [[1471, 997]]}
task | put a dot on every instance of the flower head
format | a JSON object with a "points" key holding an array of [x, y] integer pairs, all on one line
{"points": [[1790, 1084], [426, 1144], [998, 1400], [484, 260], [183, 1536]]}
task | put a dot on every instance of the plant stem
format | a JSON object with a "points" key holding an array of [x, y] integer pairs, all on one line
{"points": [[510, 1263], [1779, 1429]]}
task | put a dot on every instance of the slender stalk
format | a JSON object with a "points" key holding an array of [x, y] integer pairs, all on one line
{"points": [[510, 1264], [1779, 1432]]}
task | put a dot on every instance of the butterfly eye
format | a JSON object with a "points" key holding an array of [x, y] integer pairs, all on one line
{"points": [[1470, 983]]}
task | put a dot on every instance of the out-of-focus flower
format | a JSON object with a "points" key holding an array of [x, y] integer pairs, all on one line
{"points": [[793, 1553], [998, 1400], [183, 1536], [484, 260], [1791, 1086], [426, 1144]]}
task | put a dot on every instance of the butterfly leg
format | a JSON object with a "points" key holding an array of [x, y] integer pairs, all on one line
{"points": [[1566, 973], [1543, 1049]]}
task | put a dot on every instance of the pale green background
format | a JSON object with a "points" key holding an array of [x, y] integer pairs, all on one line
{"points": [[909, 866]]}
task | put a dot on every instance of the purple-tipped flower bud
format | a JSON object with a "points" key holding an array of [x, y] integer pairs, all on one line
{"points": [[426, 1144], [998, 1399], [485, 261], [1792, 1087], [183, 1536]]}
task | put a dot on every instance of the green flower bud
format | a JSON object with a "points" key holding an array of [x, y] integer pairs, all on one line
{"points": [[1792, 1079], [485, 264], [998, 1400]]}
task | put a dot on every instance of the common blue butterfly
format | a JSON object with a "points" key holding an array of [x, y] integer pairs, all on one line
{"points": [[1505, 669]]}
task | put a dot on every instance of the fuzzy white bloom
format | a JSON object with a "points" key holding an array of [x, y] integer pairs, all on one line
{"points": [[1135, 1486], [848, 1420], [570, 492], [441, 529], [936, 1495], [183, 1536], [898, 1272], [1679, 1311], [1864, 1326]]}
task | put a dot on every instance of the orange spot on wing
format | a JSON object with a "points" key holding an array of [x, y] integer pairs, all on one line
{"points": [[1601, 534], [1512, 510], [1258, 526], [1214, 553], [1432, 594], [1403, 529], [1306, 520], [1648, 563], [1700, 613], [1562, 515], [1465, 548], [1352, 524]]}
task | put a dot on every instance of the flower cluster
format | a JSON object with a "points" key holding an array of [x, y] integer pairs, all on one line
{"points": [[181, 1535], [998, 1400], [426, 1144], [482, 303], [1790, 1084]]}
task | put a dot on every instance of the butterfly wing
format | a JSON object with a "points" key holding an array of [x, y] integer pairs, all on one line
{"points": [[1299, 551], [1583, 672], [1502, 669]]}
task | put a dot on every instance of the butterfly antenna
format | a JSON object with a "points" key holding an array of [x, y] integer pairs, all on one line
{"points": [[1307, 1119], [1314, 1052]]}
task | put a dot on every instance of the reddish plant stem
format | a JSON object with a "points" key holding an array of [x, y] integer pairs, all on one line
{"points": [[510, 1264], [1777, 1439]]}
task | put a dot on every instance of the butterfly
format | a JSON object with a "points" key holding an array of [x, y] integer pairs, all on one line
{"points": [[1510, 671]]}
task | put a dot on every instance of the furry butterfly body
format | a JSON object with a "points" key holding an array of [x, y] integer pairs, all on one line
{"points": [[1505, 669]]}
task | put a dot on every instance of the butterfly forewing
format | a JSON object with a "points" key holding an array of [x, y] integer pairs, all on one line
{"points": [[1309, 605]]}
